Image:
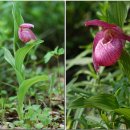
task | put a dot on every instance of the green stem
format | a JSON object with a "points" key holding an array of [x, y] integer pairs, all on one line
{"points": [[58, 73], [14, 48], [20, 112], [14, 41]]}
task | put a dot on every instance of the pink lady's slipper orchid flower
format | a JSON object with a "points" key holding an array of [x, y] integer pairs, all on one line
{"points": [[25, 33], [108, 43]]}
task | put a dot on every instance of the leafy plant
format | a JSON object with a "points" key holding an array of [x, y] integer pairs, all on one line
{"points": [[17, 62], [56, 53]]}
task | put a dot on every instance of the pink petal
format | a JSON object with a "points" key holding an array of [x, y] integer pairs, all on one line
{"points": [[99, 23], [107, 25], [121, 34], [97, 38], [126, 37], [26, 35], [27, 25]]}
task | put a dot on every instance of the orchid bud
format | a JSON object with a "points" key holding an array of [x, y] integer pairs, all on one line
{"points": [[108, 43], [25, 33]]}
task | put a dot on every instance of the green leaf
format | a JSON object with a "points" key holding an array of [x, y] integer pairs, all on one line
{"points": [[18, 20], [23, 89], [83, 121], [21, 53], [56, 52], [77, 115], [105, 119], [60, 51], [38, 125], [8, 57], [17, 14], [81, 59], [102, 13], [124, 111], [48, 56], [20, 76], [101, 101], [96, 120], [117, 12], [124, 63]]}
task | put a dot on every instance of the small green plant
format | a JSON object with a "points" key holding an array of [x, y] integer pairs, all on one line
{"points": [[36, 117], [56, 53]]}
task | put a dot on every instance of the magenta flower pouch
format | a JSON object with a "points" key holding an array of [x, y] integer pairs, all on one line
{"points": [[108, 43]]}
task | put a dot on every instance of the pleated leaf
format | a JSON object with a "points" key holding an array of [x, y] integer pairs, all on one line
{"points": [[124, 111], [101, 101], [125, 63], [117, 12]]}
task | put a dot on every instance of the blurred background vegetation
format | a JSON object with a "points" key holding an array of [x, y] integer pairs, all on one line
{"points": [[48, 20], [78, 36], [82, 80]]}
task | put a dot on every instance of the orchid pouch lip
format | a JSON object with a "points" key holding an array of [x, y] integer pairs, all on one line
{"points": [[108, 43], [25, 33]]}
